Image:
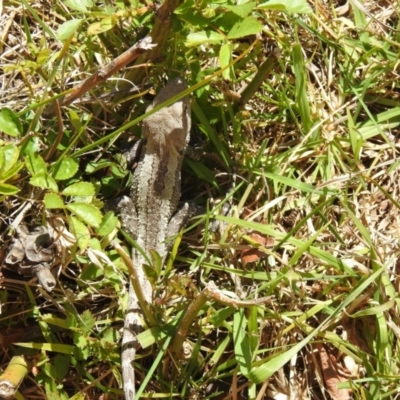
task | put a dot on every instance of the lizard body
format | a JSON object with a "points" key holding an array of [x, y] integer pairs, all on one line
{"points": [[149, 212]]}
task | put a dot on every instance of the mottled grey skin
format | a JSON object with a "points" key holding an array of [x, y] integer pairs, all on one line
{"points": [[149, 212]]}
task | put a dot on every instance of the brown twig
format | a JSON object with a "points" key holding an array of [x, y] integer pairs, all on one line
{"points": [[210, 292], [159, 35], [108, 70], [111, 68]]}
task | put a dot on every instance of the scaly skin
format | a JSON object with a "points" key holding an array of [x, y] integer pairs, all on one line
{"points": [[154, 199]]}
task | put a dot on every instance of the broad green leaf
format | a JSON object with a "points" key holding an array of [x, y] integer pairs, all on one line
{"points": [[30, 146], [95, 29], [195, 39], [156, 334], [118, 171], [44, 181], [8, 189], [61, 365], [108, 224], [79, 189], [104, 25], [8, 157], [222, 315], [79, 5], [80, 231], [225, 58], [95, 244], [50, 385], [49, 370], [242, 10], [10, 123], [53, 200], [87, 213], [35, 164], [92, 167], [65, 169], [91, 272], [245, 27], [12, 172], [68, 28], [291, 6], [110, 272]]}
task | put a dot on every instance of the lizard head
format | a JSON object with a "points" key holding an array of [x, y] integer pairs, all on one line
{"points": [[167, 130]]}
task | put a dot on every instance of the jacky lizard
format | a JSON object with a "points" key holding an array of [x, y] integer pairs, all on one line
{"points": [[149, 214]]}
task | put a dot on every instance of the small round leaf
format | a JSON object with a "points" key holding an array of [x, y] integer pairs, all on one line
{"points": [[108, 224], [65, 169], [10, 123], [87, 213], [8, 189], [79, 189], [44, 181], [80, 231], [53, 200]]}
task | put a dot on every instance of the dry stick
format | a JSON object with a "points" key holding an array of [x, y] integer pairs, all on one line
{"points": [[111, 68], [108, 70], [11, 378], [210, 292], [188, 318], [159, 35]]}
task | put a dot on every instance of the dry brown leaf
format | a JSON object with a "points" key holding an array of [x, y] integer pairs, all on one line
{"points": [[253, 255], [331, 375]]}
